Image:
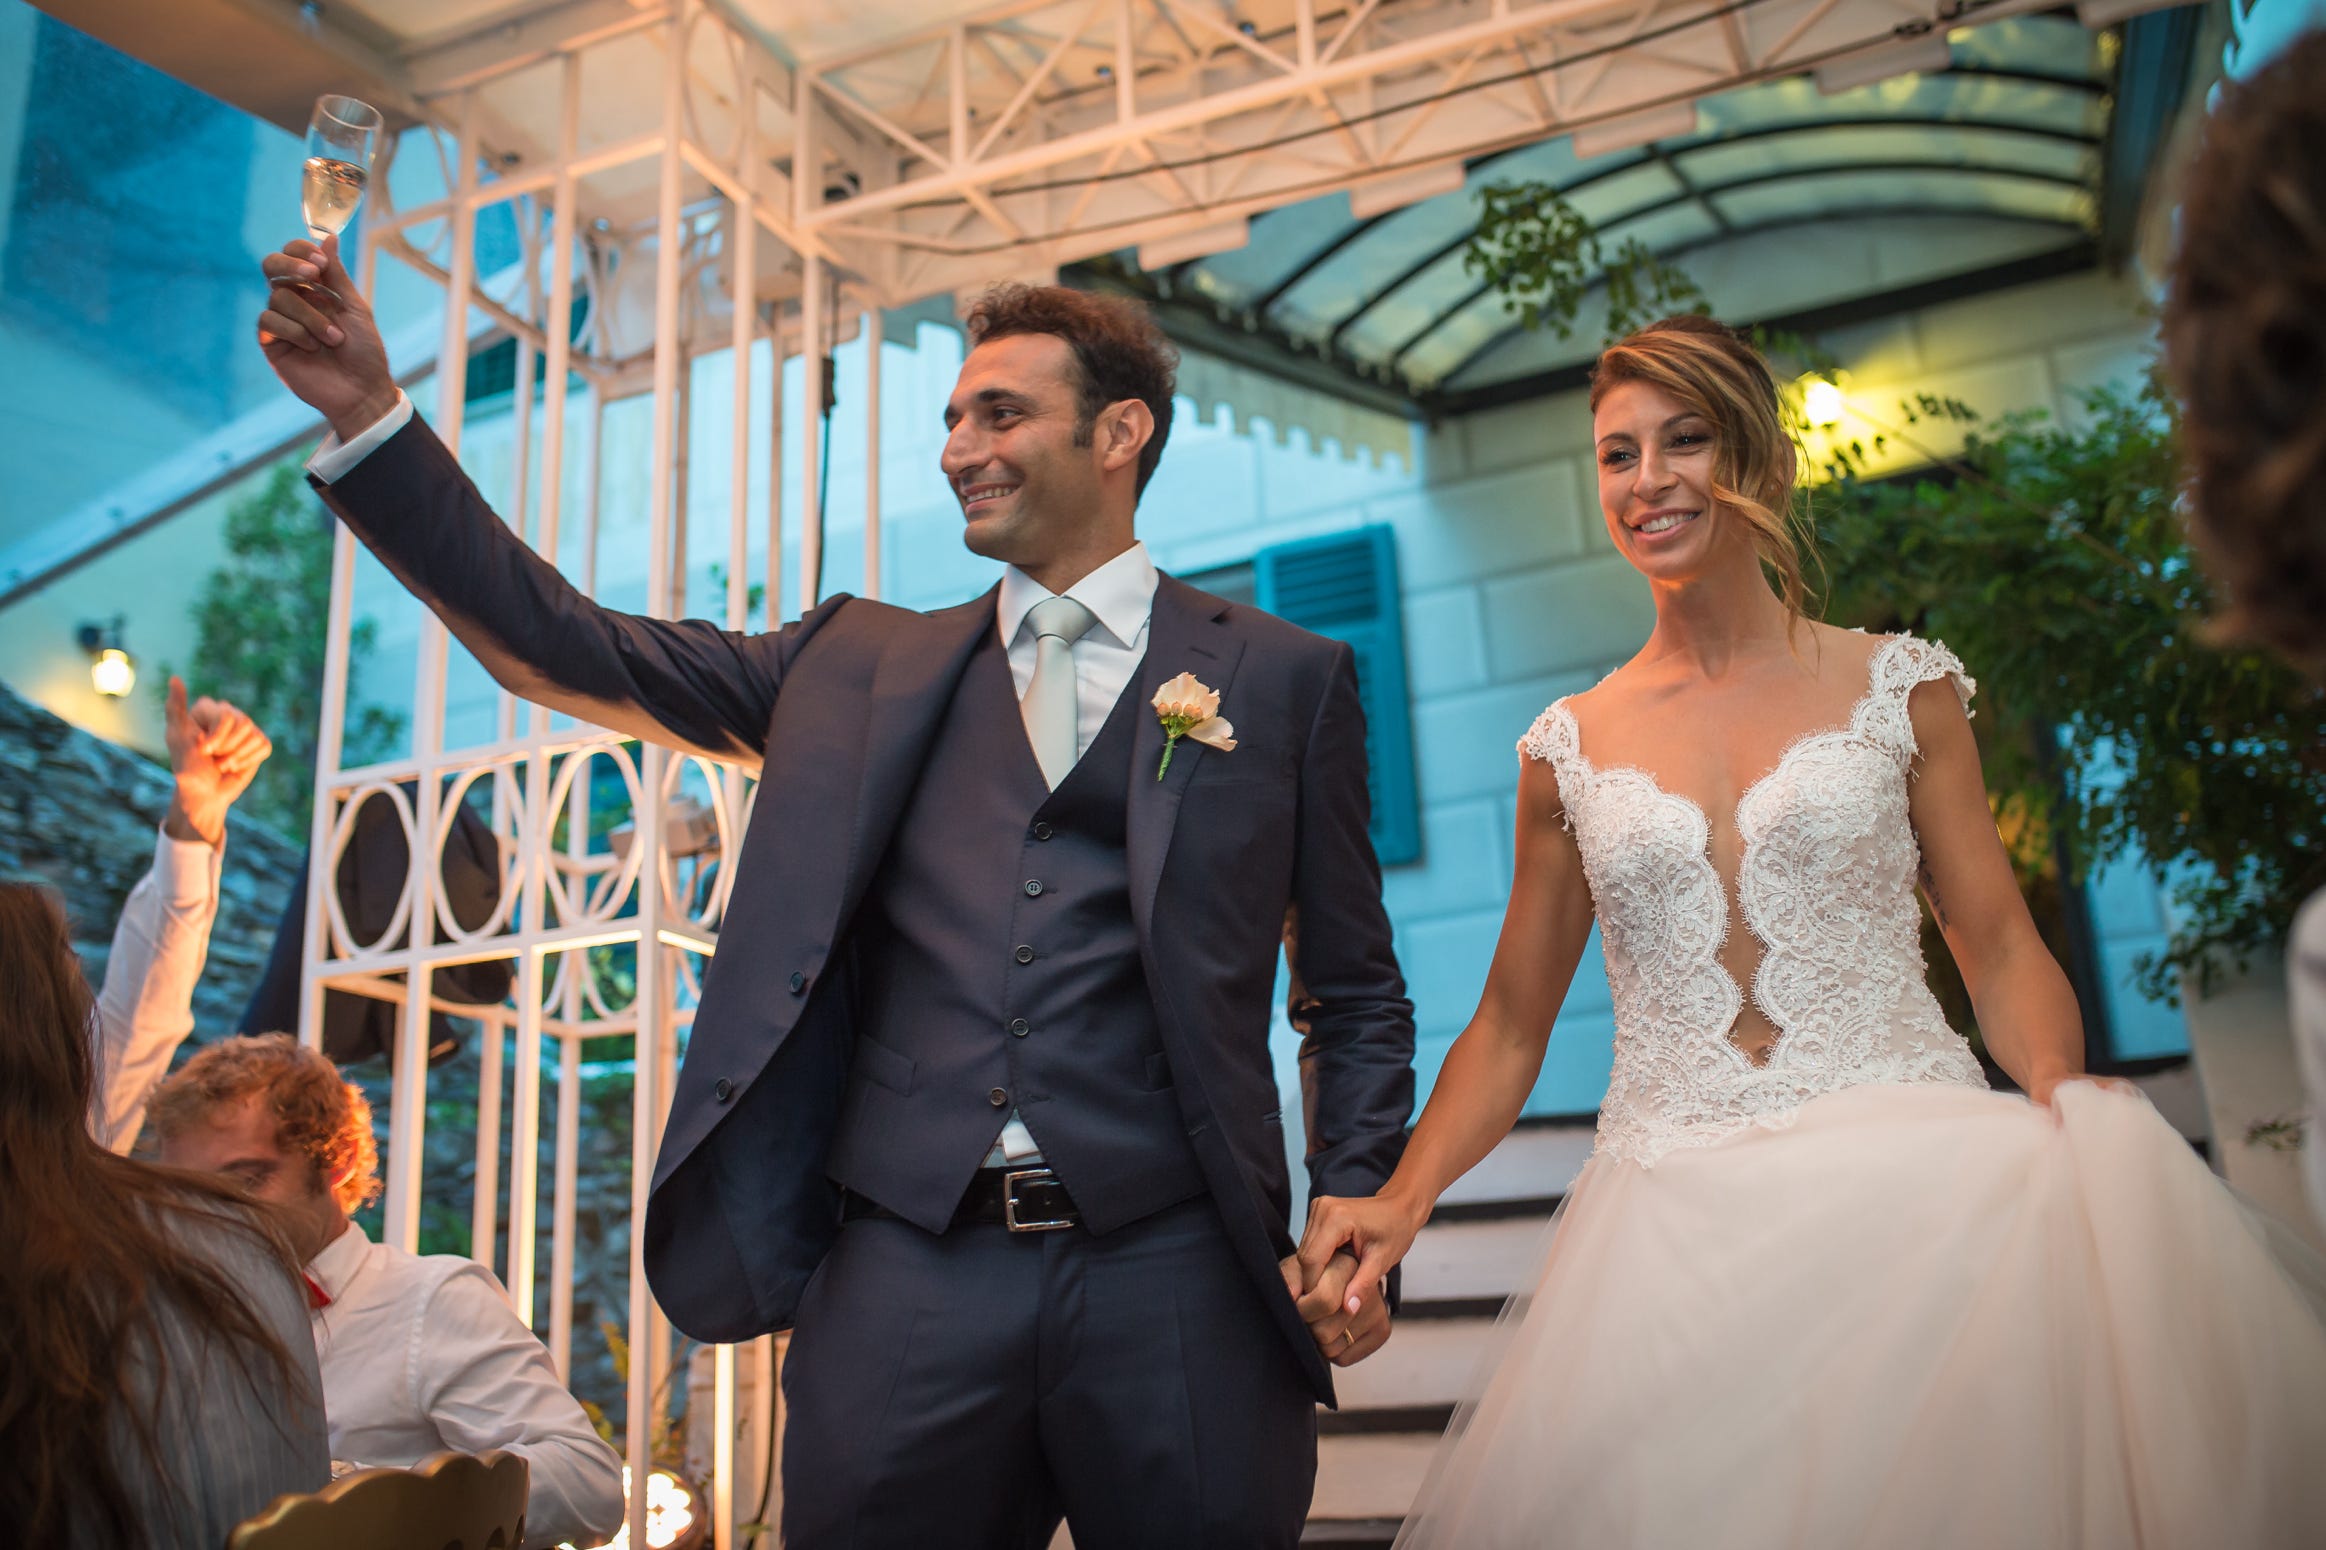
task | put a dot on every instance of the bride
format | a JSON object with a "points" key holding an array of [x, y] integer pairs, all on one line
{"points": [[1818, 1285]]}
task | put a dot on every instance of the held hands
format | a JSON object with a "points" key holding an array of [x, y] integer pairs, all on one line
{"points": [[1350, 1247], [215, 752], [329, 355]]}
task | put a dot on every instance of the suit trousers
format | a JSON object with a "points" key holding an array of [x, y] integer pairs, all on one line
{"points": [[968, 1388]]}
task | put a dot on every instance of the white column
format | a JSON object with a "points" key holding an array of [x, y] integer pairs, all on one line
{"points": [[871, 337]]}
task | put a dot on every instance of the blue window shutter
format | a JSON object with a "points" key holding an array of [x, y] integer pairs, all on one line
{"points": [[1345, 586]]}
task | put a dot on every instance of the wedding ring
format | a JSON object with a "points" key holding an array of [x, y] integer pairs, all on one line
{"points": [[1350, 1335]]}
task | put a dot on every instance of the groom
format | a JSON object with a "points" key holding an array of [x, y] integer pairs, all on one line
{"points": [[978, 1100]]}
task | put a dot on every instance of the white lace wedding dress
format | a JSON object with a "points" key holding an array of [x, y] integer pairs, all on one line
{"points": [[1851, 1297]]}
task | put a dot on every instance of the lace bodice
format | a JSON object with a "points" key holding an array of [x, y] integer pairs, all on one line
{"points": [[1825, 883]]}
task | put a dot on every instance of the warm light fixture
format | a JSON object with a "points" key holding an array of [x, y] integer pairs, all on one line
{"points": [[1821, 403], [675, 1519], [112, 671]]}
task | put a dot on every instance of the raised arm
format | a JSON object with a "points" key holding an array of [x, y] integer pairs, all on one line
{"points": [[684, 683], [146, 1008], [2026, 1008], [1493, 1064]]}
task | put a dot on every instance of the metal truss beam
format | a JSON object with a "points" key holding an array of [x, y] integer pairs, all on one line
{"points": [[1034, 134]]}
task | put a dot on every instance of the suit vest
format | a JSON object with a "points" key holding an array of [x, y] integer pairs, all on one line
{"points": [[999, 967]]}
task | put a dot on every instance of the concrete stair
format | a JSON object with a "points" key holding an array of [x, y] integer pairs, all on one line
{"points": [[1483, 1242]]}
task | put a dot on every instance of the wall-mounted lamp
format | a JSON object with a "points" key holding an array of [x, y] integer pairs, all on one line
{"points": [[112, 671], [1821, 403]]}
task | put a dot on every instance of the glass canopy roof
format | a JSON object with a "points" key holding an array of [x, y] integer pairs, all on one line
{"points": [[1783, 204]]}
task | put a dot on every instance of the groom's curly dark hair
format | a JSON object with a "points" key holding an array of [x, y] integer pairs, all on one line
{"points": [[2245, 340], [1120, 351]]}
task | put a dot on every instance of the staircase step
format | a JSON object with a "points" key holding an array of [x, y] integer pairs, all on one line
{"points": [[1535, 1207], [1377, 1420], [1450, 1308], [1474, 1259], [1534, 1160], [1428, 1361], [1370, 1476]]}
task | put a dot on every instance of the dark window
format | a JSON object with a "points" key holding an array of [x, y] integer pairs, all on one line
{"points": [[1345, 587]]}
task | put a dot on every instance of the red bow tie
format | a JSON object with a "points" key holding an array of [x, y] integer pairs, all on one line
{"points": [[316, 1296]]}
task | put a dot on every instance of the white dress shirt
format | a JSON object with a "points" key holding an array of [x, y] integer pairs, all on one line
{"points": [[423, 1352], [334, 457], [146, 1009], [1121, 595]]}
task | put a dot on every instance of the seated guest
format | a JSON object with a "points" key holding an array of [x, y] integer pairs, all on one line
{"points": [[159, 1385], [2245, 338], [419, 1352], [282, 1122]]}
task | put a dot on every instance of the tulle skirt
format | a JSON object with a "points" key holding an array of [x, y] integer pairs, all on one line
{"points": [[1916, 1317]]}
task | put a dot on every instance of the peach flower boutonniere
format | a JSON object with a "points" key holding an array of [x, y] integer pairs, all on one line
{"points": [[1188, 709]]}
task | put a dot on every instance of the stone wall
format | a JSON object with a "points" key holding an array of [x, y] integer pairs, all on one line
{"points": [[80, 814]]}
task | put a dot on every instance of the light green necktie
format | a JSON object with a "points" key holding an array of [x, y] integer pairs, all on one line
{"points": [[1050, 705]]}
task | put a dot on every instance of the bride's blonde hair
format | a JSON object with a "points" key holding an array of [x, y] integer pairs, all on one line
{"points": [[1708, 366]]}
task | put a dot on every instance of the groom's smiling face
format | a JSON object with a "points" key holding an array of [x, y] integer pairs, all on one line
{"points": [[1022, 461]]}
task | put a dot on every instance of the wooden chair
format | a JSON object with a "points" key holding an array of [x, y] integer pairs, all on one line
{"points": [[447, 1501]]}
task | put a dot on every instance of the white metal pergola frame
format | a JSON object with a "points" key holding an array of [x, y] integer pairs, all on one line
{"points": [[559, 901]]}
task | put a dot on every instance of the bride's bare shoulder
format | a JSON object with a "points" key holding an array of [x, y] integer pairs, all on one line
{"points": [[1844, 655]]}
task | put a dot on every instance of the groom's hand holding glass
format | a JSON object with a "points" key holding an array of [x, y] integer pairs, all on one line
{"points": [[332, 360]]}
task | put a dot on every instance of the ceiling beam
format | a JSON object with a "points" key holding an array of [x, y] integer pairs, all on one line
{"points": [[270, 58]]}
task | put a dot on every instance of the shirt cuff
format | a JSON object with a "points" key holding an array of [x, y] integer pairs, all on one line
{"points": [[186, 871], [334, 458]]}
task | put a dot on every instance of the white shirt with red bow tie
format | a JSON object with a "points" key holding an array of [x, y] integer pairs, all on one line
{"points": [[422, 1352]]}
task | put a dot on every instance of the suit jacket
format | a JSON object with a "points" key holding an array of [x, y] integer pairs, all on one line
{"points": [[839, 708]]}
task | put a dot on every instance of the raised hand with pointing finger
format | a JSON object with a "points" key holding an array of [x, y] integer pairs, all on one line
{"points": [[215, 752]]}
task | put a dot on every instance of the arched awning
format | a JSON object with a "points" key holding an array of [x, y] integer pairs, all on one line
{"points": [[1787, 201]]}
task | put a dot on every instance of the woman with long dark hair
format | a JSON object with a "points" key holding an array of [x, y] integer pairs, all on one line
{"points": [[158, 1383]]}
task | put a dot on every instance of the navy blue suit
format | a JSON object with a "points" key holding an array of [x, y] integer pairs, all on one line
{"points": [[1172, 1125]]}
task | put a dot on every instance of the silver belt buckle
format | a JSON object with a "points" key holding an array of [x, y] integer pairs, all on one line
{"points": [[1009, 1201]]}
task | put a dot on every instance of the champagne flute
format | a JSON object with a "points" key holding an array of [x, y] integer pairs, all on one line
{"points": [[343, 137]]}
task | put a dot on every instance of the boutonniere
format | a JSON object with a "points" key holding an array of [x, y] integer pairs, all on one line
{"points": [[1188, 709]]}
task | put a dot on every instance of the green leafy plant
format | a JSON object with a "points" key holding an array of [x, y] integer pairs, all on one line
{"points": [[2052, 558], [1545, 256], [261, 630]]}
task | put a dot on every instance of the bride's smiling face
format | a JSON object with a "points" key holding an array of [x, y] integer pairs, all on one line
{"points": [[1655, 457]]}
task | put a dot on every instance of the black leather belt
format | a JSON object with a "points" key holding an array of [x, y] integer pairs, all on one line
{"points": [[1021, 1199]]}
